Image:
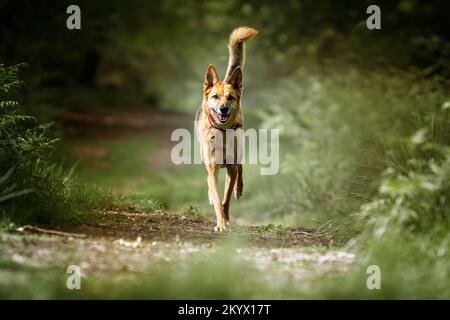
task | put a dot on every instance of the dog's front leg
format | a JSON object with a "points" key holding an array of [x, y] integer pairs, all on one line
{"points": [[229, 184], [213, 172]]}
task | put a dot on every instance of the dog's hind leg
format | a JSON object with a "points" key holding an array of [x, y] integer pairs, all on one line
{"points": [[239, 184], [229, 184]]}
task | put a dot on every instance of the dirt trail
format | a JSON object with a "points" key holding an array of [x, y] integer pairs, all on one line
{"points": [[125, 243], [163, 226]]}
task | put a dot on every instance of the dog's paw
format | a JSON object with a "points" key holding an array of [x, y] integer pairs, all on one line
{"points": [[237, 194], [221, 228], [228, 225]]}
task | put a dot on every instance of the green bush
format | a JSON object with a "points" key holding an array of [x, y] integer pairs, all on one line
{"points": [[32, 189], [23, 142], [414, 191], [341, 128]]}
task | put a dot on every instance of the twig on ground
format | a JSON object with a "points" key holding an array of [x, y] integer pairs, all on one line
{"points": [[32, 229]]}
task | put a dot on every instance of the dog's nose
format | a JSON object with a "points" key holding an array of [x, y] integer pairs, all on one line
{"points": [[224, 110]]}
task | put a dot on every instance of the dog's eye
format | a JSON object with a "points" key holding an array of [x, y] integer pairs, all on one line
{"points": [[215, 96], [230, 97]]}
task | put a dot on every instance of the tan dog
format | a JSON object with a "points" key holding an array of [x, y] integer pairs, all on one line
{"points": [[221, 112]]}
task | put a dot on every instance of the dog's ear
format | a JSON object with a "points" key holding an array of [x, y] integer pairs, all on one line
{"points": [[235, 79], [211, 77]]}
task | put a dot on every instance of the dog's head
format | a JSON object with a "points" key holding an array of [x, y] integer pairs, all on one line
{"points": [[222, 99]]}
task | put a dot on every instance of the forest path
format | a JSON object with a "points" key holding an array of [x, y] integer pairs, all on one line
{"points": [[126, 243], [110, 125]]}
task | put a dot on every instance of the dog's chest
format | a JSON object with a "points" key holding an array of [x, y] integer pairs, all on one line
{"points": [[222, 146]]}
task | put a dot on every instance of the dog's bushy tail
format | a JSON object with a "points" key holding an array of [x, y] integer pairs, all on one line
{"points": [[237, 49]]}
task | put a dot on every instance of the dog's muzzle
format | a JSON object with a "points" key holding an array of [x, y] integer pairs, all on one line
{"points": [[223, 114]]}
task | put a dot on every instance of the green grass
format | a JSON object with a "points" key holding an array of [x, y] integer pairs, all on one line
{"points": [[271, 229]]}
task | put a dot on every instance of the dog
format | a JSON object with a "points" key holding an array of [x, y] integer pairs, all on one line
{"points": [[219, 114]]}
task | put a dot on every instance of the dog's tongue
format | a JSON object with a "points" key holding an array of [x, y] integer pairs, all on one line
{"points": [[222, 117]]}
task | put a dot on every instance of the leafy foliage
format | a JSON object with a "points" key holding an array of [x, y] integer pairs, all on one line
{"points": [[414, 193], [23, 142], [31, 187]]}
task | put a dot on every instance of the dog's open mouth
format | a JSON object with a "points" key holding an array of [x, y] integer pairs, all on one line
{"points": [[221, 117]]}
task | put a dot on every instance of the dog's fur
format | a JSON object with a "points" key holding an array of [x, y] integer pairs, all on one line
{"points": [[221, 110]]}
